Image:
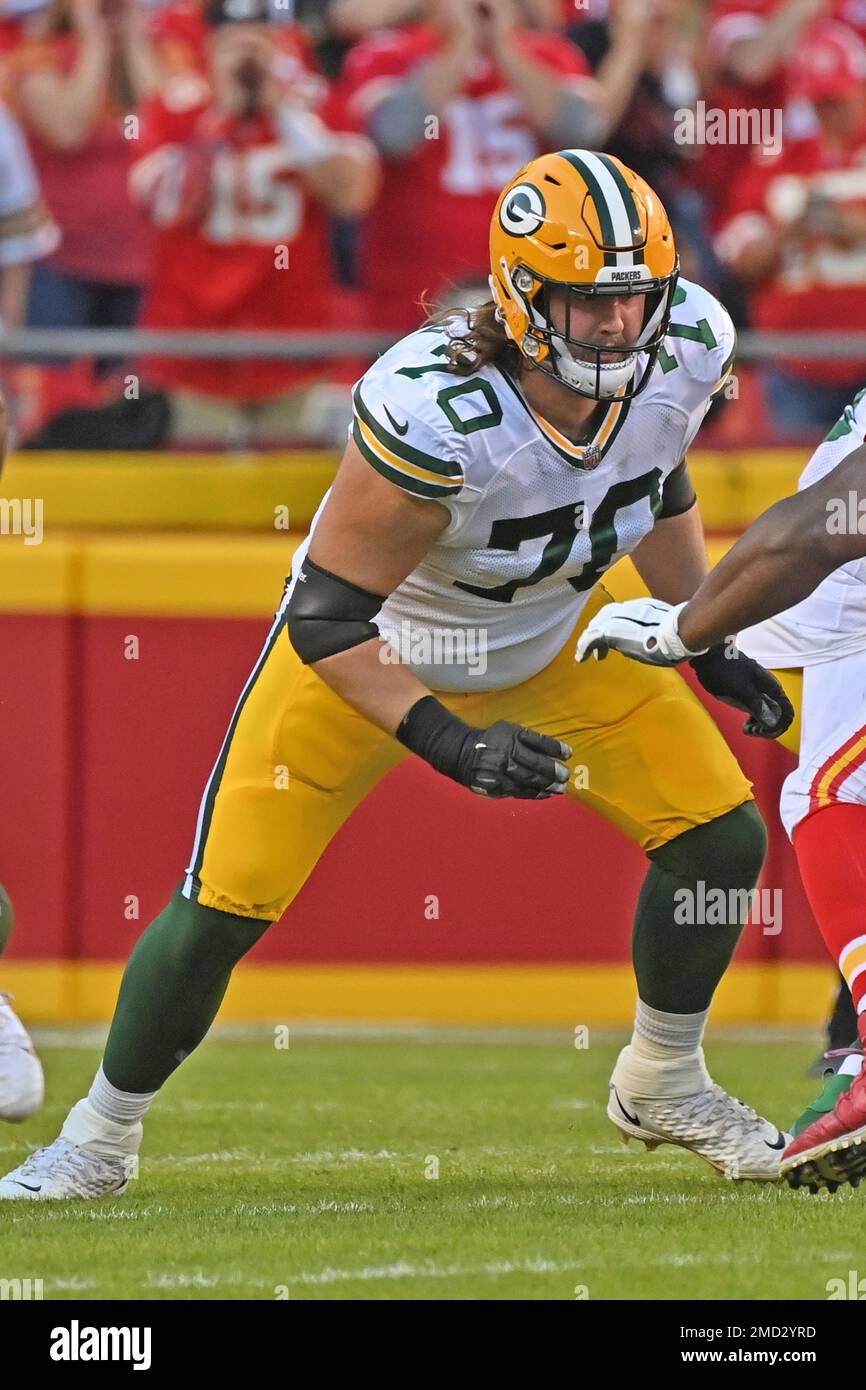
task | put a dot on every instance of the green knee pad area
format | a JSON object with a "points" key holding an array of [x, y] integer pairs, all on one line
{"points": [[678, 963], [726, 852], [172, 989]]}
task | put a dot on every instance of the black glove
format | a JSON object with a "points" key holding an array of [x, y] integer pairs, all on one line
{"points": [[737, 680], [504, 760]]}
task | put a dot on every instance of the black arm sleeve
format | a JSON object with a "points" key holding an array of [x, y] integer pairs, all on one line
{"points": [[678, 494], [327, 614]]}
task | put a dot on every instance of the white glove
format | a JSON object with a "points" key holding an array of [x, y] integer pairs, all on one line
{"points": [[643, 628]]}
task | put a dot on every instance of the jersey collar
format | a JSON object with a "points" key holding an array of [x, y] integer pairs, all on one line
{"points": [[590, 454]]}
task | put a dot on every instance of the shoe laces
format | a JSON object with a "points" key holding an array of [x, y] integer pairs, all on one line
{"points": [[66, 1159], [715, 1104], [855, 1050]]}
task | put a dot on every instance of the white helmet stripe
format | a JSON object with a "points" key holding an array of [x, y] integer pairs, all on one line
{"points": [[620, 215]]}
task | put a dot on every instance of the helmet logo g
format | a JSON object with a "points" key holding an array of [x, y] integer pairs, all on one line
{"points": [[523, 211]]}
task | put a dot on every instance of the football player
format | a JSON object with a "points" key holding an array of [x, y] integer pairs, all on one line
{"points": [[22, 1085], [500, 461], [805, 560]]}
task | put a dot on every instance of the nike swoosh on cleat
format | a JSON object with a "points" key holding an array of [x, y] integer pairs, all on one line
{"points": [[27, 1186], [401, 429], [633, 1119], [780, 1141]]}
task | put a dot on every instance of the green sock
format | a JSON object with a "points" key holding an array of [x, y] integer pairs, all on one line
{"points": [[678, 965], [834, 1087], [7, 918], [172, 989]]}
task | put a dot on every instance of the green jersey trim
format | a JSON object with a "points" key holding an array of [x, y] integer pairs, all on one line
{"points": [[412, 469]]}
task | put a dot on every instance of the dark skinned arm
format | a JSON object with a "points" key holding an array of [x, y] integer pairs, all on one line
{"points": [[780, 559]]}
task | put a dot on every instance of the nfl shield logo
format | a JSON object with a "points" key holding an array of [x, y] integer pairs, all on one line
{"points": [[591, 456]]}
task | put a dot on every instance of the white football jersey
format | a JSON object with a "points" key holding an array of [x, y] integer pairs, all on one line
{"points": [[26, 231], [832, 621], [535, 519]]}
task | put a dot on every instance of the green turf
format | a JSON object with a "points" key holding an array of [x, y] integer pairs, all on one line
{"points": [[305, 1168]]}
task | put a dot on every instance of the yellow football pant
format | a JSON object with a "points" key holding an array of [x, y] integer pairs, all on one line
{"points": [[297, 760], [792, 684]]}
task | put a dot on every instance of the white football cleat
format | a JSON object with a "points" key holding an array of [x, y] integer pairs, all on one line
{"points": [[22, 1084], [725, 1132], [64, 1170], [92, 1157]]}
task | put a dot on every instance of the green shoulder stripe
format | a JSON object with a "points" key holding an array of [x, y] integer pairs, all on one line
{"points": [[445, 468], [419, 487]]}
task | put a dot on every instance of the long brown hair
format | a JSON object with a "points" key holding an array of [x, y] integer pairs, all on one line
{"points": [[483, 341]]}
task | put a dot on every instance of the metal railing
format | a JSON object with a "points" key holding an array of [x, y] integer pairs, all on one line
{"points": [[46, 343]]}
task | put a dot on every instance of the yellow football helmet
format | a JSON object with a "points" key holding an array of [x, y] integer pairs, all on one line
{"points": [[584, 222]]}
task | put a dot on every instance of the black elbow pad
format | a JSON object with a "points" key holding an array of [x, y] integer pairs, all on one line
{"points": [[327, 614], [678, 494]]}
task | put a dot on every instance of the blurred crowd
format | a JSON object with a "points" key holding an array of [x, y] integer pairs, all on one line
{"points": [[331, 166]]}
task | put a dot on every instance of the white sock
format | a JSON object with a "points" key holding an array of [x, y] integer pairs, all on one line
{"points": [[121, 1107], [852, 1066], [664, 1058], [88, 1129], [661, 1035]]}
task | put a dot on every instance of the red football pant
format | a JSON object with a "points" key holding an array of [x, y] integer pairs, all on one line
{"points": [[831, 852]]}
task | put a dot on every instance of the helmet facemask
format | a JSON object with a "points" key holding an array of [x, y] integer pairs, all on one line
{"points": [[575, 362]]}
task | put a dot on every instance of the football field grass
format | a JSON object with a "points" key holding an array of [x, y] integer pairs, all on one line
{"points": [[423, 1166]]}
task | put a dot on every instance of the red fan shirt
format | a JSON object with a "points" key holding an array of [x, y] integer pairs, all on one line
{"points": [[104, 237], [719, 168], [819, 284], [429, 230], [238, 242]]}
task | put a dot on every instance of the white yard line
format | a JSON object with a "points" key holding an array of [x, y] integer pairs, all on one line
{"points": [[329, 1275]]}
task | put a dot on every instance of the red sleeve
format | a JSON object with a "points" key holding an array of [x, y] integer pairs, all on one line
{"points": [[749, 191], [374, 63], [557, 53], [744, 218], [170, 118], [170, 180]]}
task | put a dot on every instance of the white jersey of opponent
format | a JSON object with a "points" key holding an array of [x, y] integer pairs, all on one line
{"points": [[535, 519], [826, 635], [831, 622]]}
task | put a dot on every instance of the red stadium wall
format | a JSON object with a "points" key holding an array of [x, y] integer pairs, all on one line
{"points": [[104, 760], [114, 774]]}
